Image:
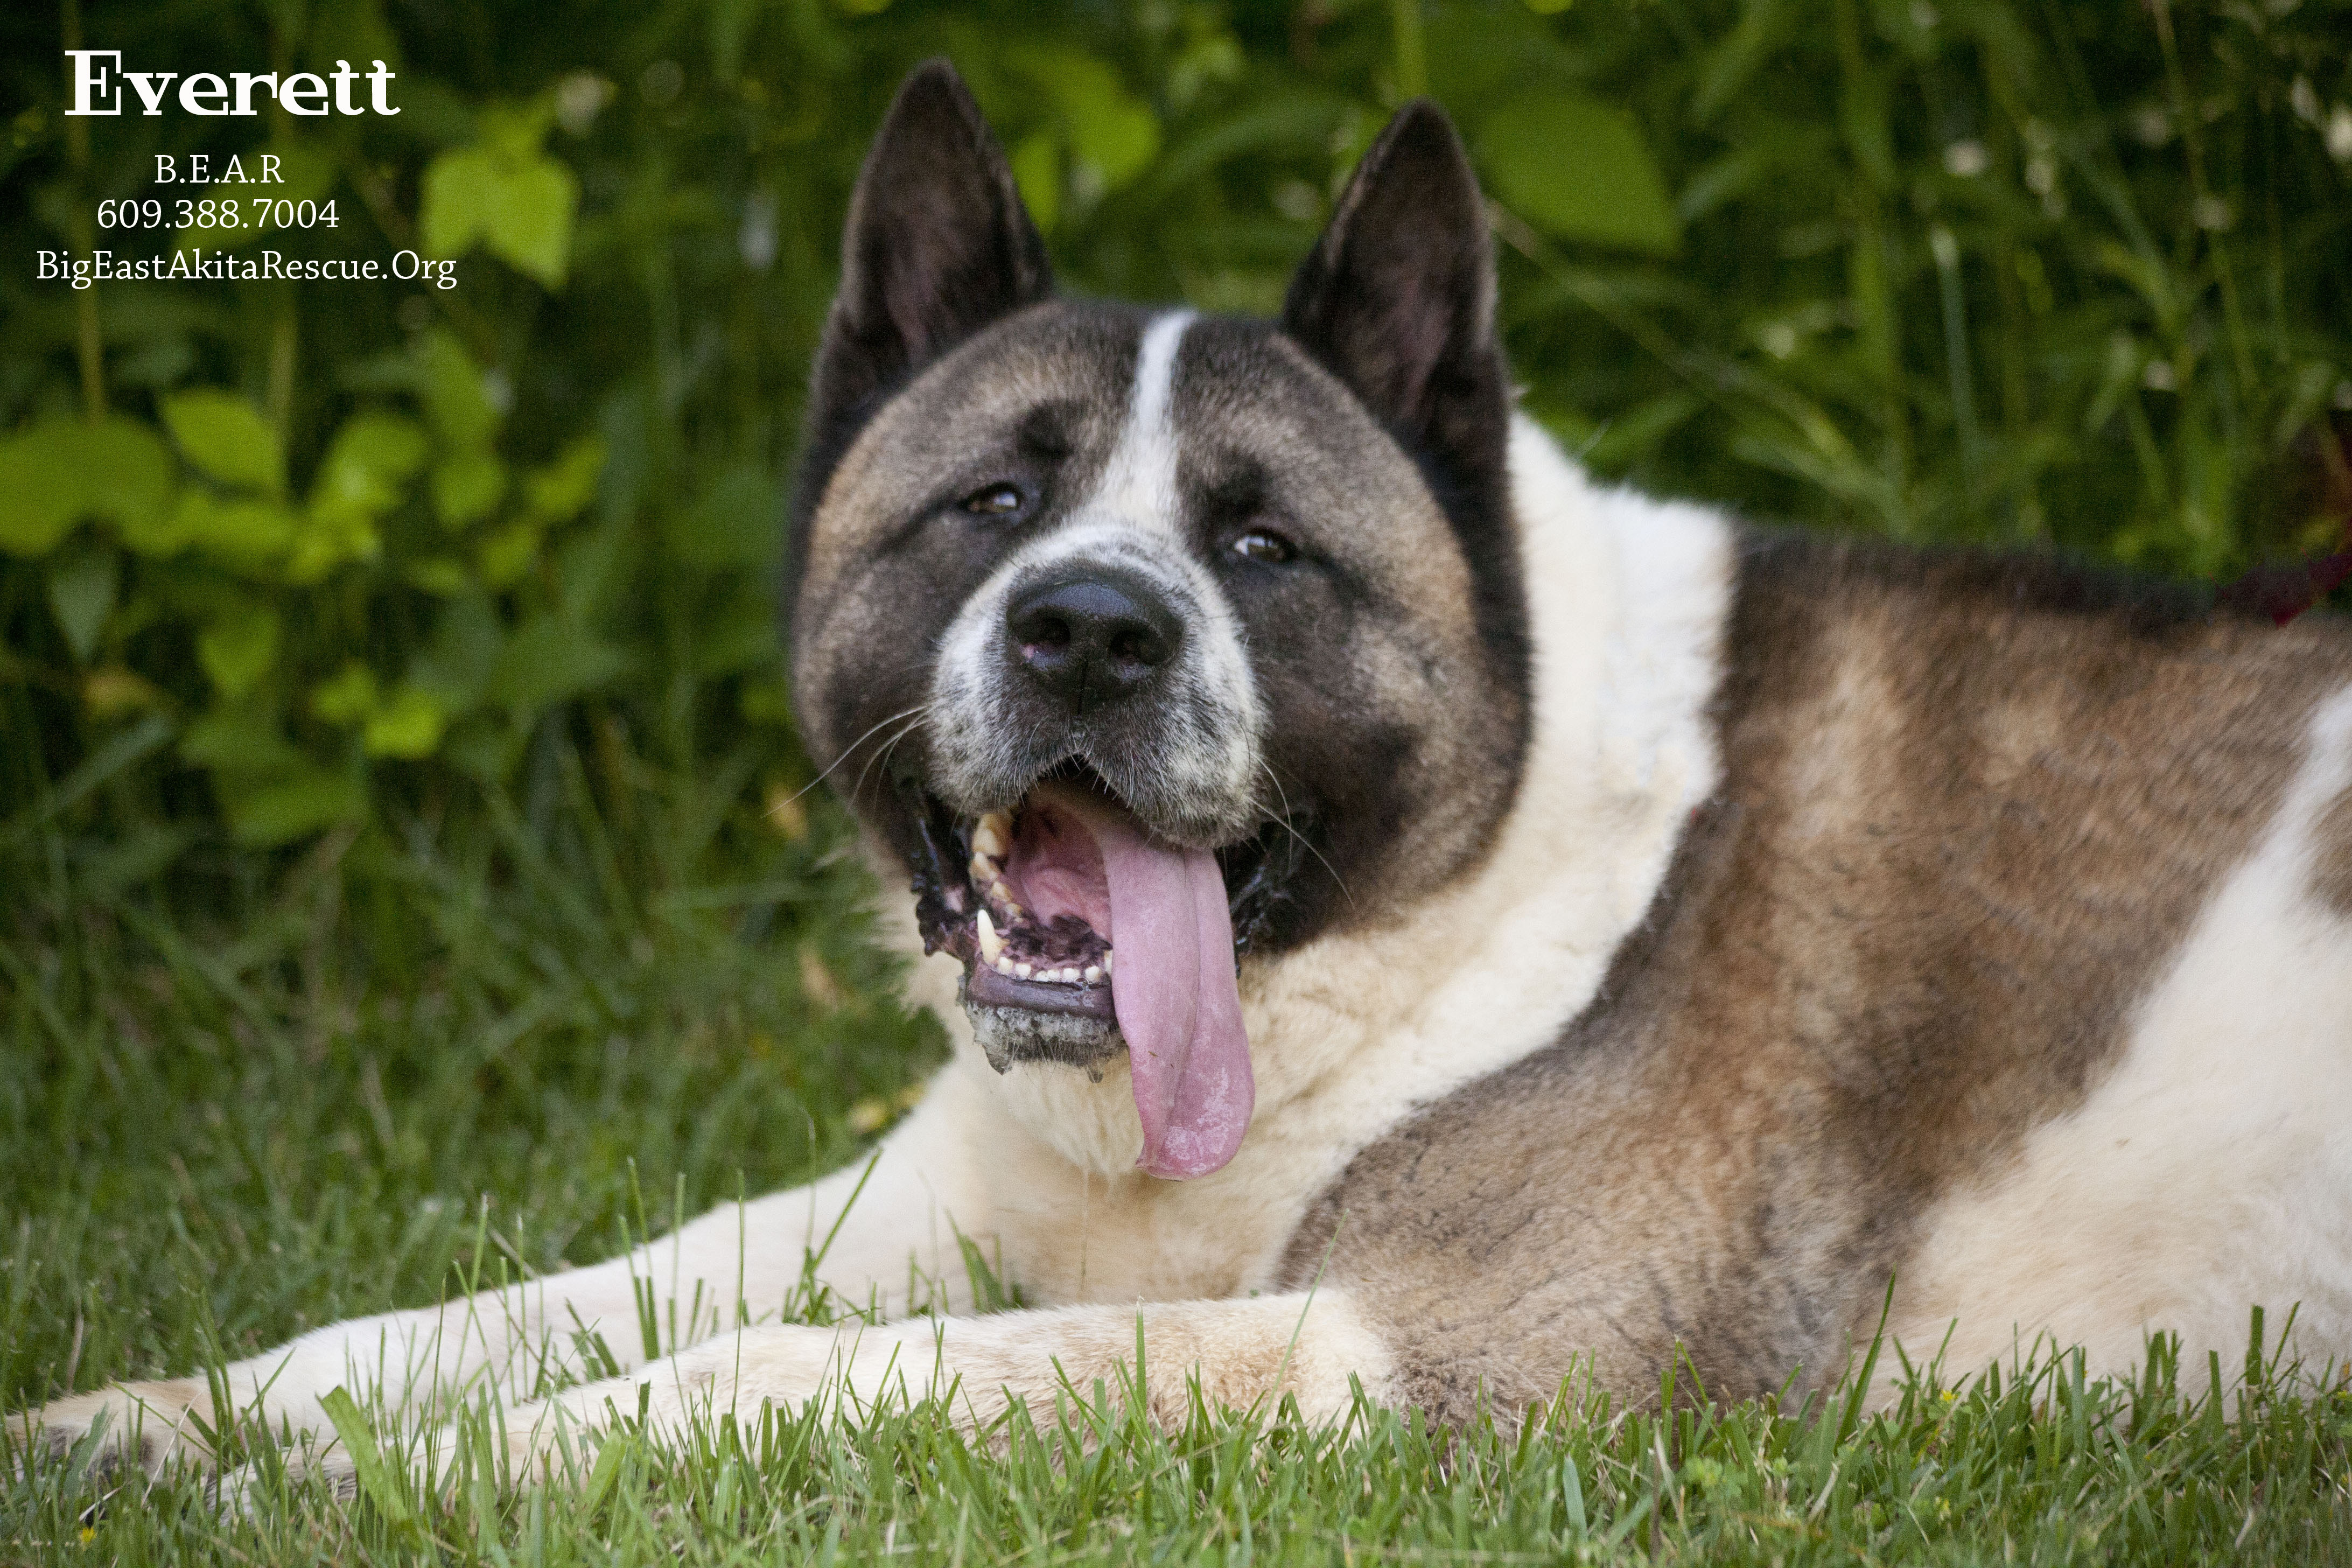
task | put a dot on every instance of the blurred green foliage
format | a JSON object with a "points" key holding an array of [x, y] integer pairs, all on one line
{"points": [[280, 556]]}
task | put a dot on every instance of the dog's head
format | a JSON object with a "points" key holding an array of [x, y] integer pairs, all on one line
{"points": [[1142, 639]]}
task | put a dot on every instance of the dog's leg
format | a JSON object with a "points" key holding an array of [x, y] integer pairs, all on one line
{"points": [[1313, 1346], [894, 1249]]}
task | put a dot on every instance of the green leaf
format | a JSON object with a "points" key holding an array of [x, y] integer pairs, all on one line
{"points": [[466, 486], [549, 658], [225, 438], [514, 132], [562, 490], [505, 555], [456, 393], [530, 224], [1037, 170], [1106, 126], [1576, 168], [408, 726], [369, 461], [247, 532], [62, 470], [459, 188], [326, 540], [237, 650], [348, 697], [261, 815], [241, 742], [523, 210], [363, 476], [440, 575], [81, 594]]}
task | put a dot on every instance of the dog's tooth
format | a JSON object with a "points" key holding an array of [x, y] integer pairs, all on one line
{"points": [[989, 835], [1093, 973], [1066, 976], [1022, 970], [991, 944], [983, 870], [1108, 956], [1001, 965]]}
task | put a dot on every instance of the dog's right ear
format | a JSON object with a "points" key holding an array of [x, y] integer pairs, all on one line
{"points": [[937, 247]]}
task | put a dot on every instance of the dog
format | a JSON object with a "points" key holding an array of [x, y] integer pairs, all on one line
{"points": [[1418, 925]]}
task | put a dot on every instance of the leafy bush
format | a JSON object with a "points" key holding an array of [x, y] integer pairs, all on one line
{"points": [[280, 556]]}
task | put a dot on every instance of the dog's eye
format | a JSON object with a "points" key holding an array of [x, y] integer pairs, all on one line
{"points": [[993, 501], [1266, 547]]}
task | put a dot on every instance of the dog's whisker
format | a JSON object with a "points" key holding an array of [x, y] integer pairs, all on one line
{"points": [[847, 751], [883, 754], [1303, 842]]}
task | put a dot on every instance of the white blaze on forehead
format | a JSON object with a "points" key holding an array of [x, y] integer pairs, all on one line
{"points": [[1139, 484]]}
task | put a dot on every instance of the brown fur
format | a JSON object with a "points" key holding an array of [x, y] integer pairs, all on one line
{"points": [[1968, 809], [2332, 876]]}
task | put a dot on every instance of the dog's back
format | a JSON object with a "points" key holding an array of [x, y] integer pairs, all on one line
{"points": [[2012, 957]]}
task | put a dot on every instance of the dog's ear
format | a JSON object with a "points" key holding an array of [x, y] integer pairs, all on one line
{"points": [[1397, 300], [937, 245]]}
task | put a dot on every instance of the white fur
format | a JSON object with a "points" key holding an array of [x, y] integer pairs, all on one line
{"points": [[1139, 484], [1314, 1348], [2211, 1170]]}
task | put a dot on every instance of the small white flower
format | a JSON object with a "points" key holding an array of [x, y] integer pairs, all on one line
{"points": [[1967, 159], [579, 97], [2303, 101]]}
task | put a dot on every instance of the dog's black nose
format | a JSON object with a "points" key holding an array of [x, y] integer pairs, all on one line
{"points": [[1092, 638]]}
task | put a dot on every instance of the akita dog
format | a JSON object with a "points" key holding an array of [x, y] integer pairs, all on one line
{"points": [[1413, 919]]}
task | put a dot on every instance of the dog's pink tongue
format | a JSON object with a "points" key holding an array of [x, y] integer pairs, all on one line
{"points": [[1175, 994]]}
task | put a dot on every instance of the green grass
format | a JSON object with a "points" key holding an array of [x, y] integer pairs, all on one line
{"points": [[2043, 1468], [427, 1056]]}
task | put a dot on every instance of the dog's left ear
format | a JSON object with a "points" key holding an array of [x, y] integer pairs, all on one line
{"points": [[1397, 300]]}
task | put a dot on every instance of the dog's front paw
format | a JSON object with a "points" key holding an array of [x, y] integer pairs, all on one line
{"points": [[146, 1425], [248, 1490]]}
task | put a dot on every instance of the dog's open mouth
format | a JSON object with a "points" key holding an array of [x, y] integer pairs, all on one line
{"points": [[1071, 915]]}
